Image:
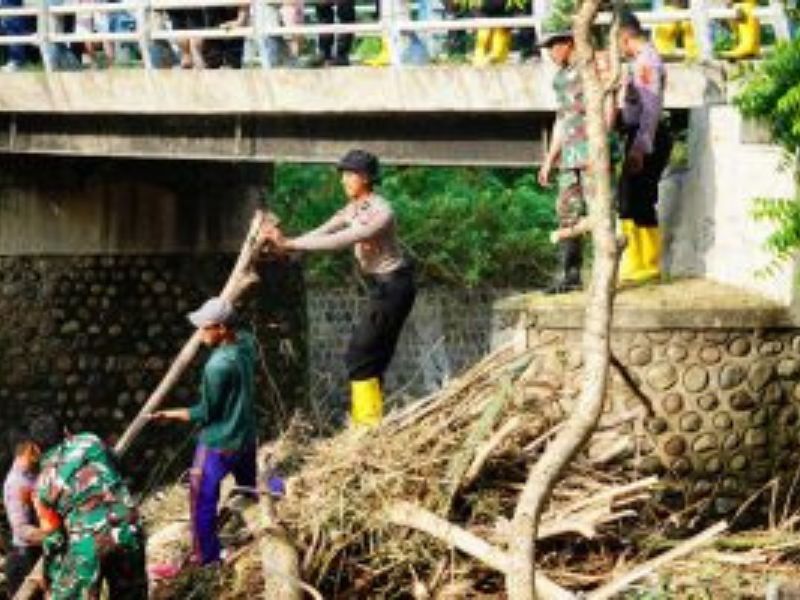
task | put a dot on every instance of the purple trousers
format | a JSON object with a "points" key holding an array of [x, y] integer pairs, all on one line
{"points": [[209, 468]]}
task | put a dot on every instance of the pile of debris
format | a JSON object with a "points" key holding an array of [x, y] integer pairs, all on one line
{"points": [[373, 513]]}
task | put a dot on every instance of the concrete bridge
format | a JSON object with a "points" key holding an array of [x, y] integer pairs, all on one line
{"points": [[424, 115]]}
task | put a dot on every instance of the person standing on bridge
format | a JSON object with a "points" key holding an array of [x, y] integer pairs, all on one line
{"points": [[648, 144], [367, 223], [569, 146]]}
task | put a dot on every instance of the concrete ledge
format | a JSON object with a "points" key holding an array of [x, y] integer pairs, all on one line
{"points": [[688, 303], [318, 91]]}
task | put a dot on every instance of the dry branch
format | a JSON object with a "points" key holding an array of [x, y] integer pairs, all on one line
{"points": [[415, 517], [610, 590]]}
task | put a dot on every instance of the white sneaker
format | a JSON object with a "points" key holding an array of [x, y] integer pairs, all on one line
{"points": [[10, 67]]}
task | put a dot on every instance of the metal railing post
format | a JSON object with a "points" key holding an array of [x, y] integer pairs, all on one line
{"points": [[702, 31], [780, 20], [259, 12], [390, 31], [144, 23], [43, 35]]}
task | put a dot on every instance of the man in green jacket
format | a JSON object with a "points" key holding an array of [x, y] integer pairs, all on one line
{"points": [[227, 442]]}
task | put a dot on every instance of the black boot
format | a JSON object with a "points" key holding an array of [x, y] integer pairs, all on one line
{"points": [[571, 258]]}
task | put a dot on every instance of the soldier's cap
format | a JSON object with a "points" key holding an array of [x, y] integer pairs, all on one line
{"points": [[214, 311], [362, 162]]}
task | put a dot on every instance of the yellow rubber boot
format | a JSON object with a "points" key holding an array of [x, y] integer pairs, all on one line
{"points": [[483, 41], [650, 243], [689, 41], [747, 31], [631, 262], [383, 58], [500, 46], [665, 38], [366, 402]]}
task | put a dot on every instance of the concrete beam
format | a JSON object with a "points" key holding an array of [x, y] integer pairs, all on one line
{"points": [[67, 206], [341, 91], [505, 139]]}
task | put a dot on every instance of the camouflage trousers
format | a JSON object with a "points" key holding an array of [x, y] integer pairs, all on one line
{"points": [[571, 201], [77, 571]]}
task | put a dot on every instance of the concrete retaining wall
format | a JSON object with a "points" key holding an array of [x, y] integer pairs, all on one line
{"points": [[706, 212]]}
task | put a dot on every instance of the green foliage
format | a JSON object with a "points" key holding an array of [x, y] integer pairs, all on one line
{"points": [[785, 241], [772, 96], [464, 227]]}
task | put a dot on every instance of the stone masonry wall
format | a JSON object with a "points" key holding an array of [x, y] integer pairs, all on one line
{"points": [[725, 402], [89, 337], [447, 331]]}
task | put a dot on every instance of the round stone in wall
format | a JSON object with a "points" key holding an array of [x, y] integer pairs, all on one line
{"points": [[677, 352], [770, 348], [760, 373], [713, 465], [742, 401], [691, 422], [640, 355], [789, 368], [657, 425], [672, 403], [681, 466], [662, 376], [730, 376], [738, 462], [675, 446], [705, 443], [731, 441], [710, 355], [695, 379], [708, 402]]}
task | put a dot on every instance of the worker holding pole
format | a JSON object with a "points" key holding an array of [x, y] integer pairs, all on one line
{"points": [[367, 223], [227, 442]]}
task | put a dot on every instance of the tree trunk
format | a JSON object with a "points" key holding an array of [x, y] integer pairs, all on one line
{"points": [[586, 411]]}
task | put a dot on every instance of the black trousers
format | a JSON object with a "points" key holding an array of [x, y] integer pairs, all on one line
{"points": [[374, 338], [345, 11], [638, 192], [19, 563]]}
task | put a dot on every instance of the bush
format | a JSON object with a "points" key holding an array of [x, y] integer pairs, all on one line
{"points": [[463, 226]]}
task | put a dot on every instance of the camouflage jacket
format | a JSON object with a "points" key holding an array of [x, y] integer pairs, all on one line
{"points": [[79, 481], [572, 118]]}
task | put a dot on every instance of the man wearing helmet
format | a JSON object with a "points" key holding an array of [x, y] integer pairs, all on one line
{"points": [[367, 223]]}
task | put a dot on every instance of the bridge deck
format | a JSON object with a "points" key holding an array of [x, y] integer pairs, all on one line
{"points": [[425, 115], [348, 90]]}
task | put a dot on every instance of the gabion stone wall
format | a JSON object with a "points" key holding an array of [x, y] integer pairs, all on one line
{"points": [[447, 331], [725, 404], [89, 337]]}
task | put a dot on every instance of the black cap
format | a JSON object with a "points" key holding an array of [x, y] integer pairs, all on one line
{"points": [[628, 20], [363, 162], [46, 431]]}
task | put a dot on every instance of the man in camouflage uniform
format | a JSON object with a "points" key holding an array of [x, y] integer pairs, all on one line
{"points": [[92, 529], [570, 147]]}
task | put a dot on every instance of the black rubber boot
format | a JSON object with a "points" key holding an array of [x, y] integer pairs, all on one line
{"points": [[571, 258]]}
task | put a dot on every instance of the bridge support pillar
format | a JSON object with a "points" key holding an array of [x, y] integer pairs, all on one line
{"points": [[707, 207]]}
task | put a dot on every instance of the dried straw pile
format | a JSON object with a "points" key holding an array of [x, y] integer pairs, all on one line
{"points": [[461, 453]]}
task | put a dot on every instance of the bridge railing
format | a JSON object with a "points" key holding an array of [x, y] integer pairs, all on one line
{"points": [[394, 23]]}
